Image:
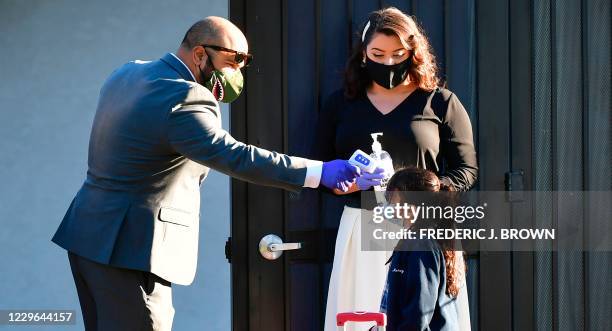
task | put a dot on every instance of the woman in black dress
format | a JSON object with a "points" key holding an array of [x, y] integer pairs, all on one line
{"points": [[390, 86]]}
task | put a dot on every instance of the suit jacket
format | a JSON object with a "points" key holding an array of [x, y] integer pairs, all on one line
{"points": [[155, 135]]}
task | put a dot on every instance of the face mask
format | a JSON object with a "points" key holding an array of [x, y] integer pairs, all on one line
{"points": [[225, 85], [388, 76]]}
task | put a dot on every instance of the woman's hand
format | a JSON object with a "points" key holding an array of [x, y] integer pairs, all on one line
{"points": [[367, 180]]}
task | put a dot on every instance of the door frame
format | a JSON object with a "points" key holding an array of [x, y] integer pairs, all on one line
{"points": [[258, 120]]}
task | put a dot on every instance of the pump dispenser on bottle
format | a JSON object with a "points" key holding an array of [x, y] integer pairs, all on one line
{"points": [[383, 160]]}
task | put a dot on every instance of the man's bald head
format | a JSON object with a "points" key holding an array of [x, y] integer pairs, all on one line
{"points": [[217, 31]]}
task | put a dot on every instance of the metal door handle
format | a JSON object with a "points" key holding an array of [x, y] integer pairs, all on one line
{"points": [[284, 247], [271, 247]]}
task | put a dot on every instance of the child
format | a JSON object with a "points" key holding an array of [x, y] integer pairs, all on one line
{"points": [[425, 287]]}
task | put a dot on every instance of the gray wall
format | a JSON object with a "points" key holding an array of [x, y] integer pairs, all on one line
{"points": [[54, 56]]}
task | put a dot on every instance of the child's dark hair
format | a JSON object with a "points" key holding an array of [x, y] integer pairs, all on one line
{"points": [[416, 179]]}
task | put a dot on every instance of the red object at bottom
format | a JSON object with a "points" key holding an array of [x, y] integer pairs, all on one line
{"points": [[361, 316]]}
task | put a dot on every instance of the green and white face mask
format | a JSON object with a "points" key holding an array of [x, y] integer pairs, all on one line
{"points": [[225, 85]]}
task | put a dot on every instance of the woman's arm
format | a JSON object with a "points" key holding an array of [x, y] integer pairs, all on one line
{"points": [[457, 147]]}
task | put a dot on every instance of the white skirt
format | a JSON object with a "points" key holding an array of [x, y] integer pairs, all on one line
{"points": [[358, 277]]}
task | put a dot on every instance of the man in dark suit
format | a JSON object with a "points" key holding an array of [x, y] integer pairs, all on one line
{"points": [[132, 228]]}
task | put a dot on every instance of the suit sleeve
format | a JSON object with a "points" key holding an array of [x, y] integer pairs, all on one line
{"points": [[194, 130], [458, 147]]}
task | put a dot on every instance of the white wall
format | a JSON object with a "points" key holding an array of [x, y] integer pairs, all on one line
{"points": [[54, 56]]}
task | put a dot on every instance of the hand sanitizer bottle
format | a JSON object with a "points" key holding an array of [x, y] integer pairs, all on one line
{"points": [[383, 160]]}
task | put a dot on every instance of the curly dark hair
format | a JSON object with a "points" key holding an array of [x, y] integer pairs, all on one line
{"points": [[392, 21]]}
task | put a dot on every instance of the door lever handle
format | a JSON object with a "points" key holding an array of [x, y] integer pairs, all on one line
{"points": [[271, 247], [284, 247]]}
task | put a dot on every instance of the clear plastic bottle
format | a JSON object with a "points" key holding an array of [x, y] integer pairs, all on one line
{"points": [[383, 159]]}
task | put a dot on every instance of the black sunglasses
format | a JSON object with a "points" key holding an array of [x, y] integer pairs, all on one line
{"points": [[239, 57]]}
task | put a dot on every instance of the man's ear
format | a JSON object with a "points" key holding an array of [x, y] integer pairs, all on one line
{"points": [[199, 55]]}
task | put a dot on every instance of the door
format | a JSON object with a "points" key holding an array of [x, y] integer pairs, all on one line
{"points": [[537, 92], [300, 49]]}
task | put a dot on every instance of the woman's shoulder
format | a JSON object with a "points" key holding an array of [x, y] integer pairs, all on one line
{"points": [[338, 101], [441, 101], [442, 93], [339, 96]]}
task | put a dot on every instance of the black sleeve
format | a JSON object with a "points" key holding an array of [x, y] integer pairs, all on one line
{"points": [[322, 146], [457, 147]]}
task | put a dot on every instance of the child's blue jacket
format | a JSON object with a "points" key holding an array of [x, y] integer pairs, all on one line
{"points": [[415, 295]]}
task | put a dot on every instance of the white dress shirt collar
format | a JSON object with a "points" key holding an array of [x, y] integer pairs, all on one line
{"points": [[183, 63]]}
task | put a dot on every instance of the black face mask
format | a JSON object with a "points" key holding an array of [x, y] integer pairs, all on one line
{"points": [[388, 76], [206, 73]]}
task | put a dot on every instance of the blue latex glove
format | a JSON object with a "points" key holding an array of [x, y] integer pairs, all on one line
{"points": [[367, 180], [339, 174]]}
